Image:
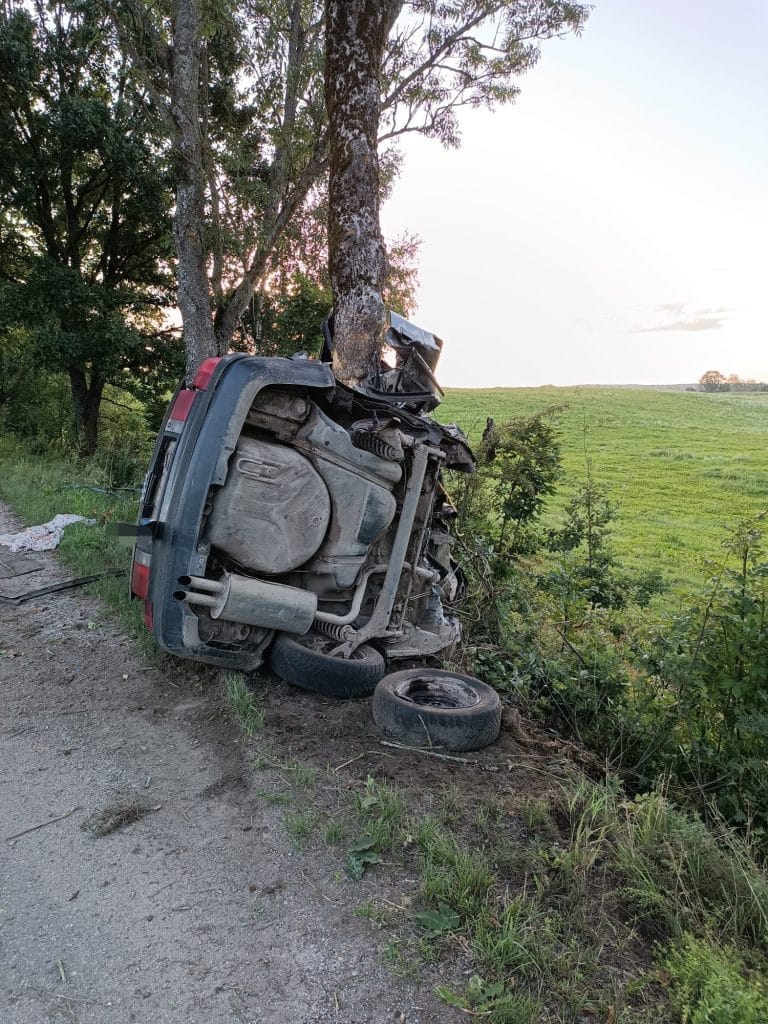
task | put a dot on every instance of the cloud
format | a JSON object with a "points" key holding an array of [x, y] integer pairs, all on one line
{"points": [[705, 319]]}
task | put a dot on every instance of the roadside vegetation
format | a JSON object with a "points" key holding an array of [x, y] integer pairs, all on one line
{"points": [[561, 900], [636, 894], [37, 486]]}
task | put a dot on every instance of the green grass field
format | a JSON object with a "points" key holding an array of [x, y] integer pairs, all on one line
{"points": [[681, 465]]}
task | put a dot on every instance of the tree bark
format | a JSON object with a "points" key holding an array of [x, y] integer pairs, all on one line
{"points": [[189, 219], [86, 400], [355, 35]]}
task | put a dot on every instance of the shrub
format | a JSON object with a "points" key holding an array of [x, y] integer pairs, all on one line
{"points": [[715, 661], [518, 465], [708, 985]]}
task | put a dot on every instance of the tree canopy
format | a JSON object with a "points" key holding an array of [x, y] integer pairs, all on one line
{"points": [[84, 256], [239, 93], [120, 119]]}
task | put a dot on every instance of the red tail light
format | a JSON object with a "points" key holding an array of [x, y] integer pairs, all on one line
{"points": [[140, 580], [182, 404], [205, 372]]}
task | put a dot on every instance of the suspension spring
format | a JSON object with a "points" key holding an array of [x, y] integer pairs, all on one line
{"points": [[334, 630], [377, 446]]}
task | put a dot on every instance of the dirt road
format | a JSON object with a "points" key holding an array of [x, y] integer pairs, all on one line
{"points": [[202, 910]]}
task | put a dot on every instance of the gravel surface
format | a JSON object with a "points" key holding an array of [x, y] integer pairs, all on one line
{"points": [[197, 910]]}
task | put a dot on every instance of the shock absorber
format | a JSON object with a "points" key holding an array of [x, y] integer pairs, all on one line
{"points": [[334, 630]]}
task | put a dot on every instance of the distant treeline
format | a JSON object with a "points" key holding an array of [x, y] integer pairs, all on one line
{"points": [[713, 380]]}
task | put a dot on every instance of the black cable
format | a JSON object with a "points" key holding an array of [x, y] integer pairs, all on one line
{"points": [[66, 585]]}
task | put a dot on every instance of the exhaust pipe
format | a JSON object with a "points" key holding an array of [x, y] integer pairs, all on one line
{"points": [[253, 602]]}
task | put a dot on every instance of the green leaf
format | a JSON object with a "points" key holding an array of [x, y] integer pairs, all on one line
{"points": [[361, 855], [362, 844], [355, 868], [452, 998], [482, 994], [444, 919]]}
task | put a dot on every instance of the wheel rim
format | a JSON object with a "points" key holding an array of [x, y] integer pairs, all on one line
{"points": [[435, 691]]}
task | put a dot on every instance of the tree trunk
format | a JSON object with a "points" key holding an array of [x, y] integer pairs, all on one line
{"points": [[355, 35], [86, 400], [189, 219]]}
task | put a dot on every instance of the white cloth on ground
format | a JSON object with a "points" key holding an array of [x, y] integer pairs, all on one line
{"points": [[42, 538]]}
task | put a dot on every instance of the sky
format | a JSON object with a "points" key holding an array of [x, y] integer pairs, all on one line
{"points": [[611, 226]]}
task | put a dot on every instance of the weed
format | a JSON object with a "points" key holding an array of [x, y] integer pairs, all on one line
{"points": [[261, 761], [709, 986], [302, 776], [276, 797], [39, 486], [512, 944], [244, 704], [493, 1001], [678, 874], [373, 912], [450, 874], [402, 959], [490, 814], [435, 922], [300, 825], [710, 879], [363, 853], [334, 831], [536, 816], [381, 807], [450, 804]]}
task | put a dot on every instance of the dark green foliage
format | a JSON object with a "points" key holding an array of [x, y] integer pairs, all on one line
{"points": [[708, 985], [84, 205], [34, 403], [715, 659], [518, 464], [587, 567], [568, 627], [290, 320]]}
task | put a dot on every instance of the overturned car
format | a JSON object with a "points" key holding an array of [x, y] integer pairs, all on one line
{"points": [[286, 516]]}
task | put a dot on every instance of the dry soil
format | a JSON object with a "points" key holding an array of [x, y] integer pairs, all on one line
{"points": [[201, 910]]}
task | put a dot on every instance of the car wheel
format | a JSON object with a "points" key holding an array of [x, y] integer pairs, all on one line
{"points": [[425, 707], [306, 661]]}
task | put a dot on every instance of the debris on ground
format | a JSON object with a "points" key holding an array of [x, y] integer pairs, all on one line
{"points": [[125, 810], [13, 565], [45, 537]]}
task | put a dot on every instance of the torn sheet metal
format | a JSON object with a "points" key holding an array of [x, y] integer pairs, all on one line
{"points": [[45, 537], [13, 565]]}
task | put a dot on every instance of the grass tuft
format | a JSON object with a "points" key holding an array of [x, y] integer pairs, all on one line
{"points": [[381, 808], [300, 825], [245, 705]]}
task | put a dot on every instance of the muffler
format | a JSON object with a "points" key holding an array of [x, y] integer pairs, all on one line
{"points": [[254, 602]]}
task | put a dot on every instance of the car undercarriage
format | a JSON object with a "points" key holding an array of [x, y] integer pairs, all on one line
{"points": [[287, 516]]}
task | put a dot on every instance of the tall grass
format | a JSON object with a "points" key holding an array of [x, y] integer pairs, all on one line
{"points": [[37, 488]]}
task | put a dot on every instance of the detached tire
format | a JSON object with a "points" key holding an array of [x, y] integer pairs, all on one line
{"points": [[426, 707], [305, 662]]}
